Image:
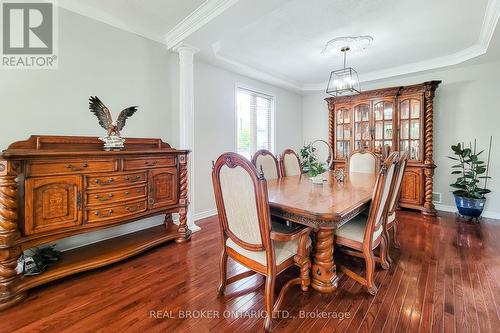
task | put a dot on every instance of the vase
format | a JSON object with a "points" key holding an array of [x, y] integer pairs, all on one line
{"points": [[469, 207], [319, 179]]}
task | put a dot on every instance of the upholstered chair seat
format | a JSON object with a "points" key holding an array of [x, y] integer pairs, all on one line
{"points": [[355, 229], [282, 250]]}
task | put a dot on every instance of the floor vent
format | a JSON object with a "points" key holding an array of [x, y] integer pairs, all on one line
{"points": [[436, 197]]}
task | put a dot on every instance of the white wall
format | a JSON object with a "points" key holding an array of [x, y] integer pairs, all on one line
{"points": [[94, 59], [215, 131], [466, 107]]}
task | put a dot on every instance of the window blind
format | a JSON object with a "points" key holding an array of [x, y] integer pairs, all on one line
{"points": [[254, 121]]}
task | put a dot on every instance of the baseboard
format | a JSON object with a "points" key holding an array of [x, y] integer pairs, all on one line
{"points": [[204, 215], [453, 209]]}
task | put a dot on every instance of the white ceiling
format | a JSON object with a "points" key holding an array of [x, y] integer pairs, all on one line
{"points": [[149, 18], [280, 41]]}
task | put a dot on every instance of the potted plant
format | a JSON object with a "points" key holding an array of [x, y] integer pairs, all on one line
{"points": [[316, 170], [469, 190], [307, 156]]}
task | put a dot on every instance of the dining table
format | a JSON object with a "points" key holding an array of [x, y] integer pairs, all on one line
{"points": [[324, 207]]}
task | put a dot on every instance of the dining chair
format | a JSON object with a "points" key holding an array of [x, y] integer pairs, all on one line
{"points": [[363, 161], [290, 163], [392, 221], [363, 234], [265, 159], [250, 237]]}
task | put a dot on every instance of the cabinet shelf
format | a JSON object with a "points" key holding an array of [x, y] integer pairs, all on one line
{"points": [[101, 254]]}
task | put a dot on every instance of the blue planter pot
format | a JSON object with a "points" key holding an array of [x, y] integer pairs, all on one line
{"points": [[469, 207]]}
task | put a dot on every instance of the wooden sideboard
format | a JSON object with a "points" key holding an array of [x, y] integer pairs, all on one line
{"points": [[385, 120], [53, 187]]}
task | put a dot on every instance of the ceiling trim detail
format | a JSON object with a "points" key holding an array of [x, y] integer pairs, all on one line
{"points": [[99, 15], [197, 19], [253, 72], [488, 27]]}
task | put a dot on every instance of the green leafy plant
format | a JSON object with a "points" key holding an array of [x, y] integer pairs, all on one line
{"points": [[307, 156], [470, 170], [315, 169]]}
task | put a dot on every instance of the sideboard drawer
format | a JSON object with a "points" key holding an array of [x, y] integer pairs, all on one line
{"points": [[127, 179], [145, 163], [71, 167], [114, 196], [96, 215]]}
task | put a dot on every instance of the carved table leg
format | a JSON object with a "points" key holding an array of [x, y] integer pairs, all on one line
{"points": [[9, 235], [324, 275], [184, 234]]}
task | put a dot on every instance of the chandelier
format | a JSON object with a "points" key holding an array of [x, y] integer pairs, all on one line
{"points": [[345, 81]]}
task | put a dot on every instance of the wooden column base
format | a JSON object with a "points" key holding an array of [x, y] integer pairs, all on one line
{"points": [[183, 232], [429, 212], [11, 301], [324, 274]]}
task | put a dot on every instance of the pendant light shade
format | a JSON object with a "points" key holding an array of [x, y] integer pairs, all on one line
{"points": [[343, 81]]}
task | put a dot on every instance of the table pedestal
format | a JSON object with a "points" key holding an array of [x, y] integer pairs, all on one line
{"points": [[324, 274]]}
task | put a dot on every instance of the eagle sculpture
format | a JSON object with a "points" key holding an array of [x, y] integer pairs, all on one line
{"points": [[102, 113]]}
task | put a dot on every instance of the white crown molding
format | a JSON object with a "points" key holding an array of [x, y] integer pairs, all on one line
{"points": [[197, 19], [99, 15], [255, 73], [490, 20]]}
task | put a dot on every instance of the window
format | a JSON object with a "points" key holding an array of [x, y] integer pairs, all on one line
{"points": [[254, 121]]}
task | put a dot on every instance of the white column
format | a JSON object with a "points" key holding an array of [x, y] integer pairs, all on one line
{"points": [[186, 118]]}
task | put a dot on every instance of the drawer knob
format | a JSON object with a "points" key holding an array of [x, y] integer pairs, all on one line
{"points": [[73, 168], [98, 213], [137, 178], [109, 196], [100, 182]]}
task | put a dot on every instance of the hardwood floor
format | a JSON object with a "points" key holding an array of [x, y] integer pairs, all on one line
{"points": [[445, 278]]}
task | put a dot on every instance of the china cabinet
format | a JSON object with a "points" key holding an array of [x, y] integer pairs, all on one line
{"points": [[385, 120]]}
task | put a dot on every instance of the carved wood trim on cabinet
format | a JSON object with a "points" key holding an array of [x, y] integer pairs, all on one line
{"points": [[412, 129], [53, 187]]}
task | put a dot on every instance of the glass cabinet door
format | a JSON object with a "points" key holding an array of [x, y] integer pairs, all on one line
{"points": [[343, 133], [409, 132], [383, 119], [362, 130]]}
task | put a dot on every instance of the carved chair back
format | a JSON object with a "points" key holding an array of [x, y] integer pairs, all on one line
{"points": [[242, 204], [290, 163], [363, 161], [380, 200], [265, 159], [400, 170]]}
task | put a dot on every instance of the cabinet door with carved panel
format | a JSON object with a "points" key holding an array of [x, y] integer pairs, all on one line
{"points": [[53, 203], [412, 186], [162, 187]]}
